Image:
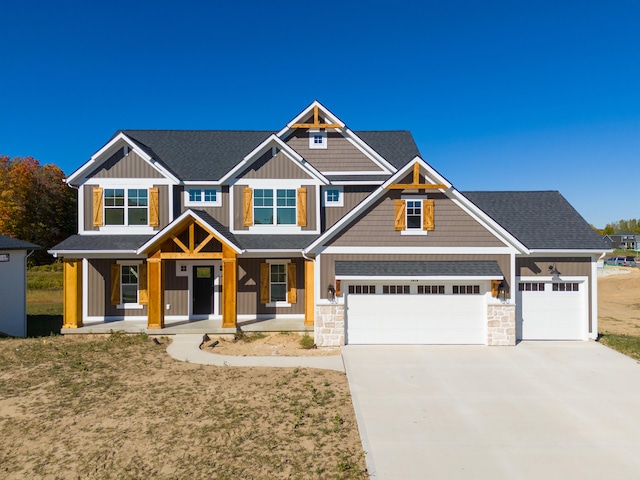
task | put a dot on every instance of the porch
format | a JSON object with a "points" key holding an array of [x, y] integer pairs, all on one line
{"points": [[210, 327]]}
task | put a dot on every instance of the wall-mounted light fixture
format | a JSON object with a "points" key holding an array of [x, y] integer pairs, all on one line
{"points": [[554, 271], [502, 290]]}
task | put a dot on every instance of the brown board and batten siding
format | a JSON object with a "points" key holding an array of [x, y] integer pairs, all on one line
{"points": [[221, 213], [279, 166], [120, 165], [339, 156], [163, 204], [176, 290], [352, 195], [567, 266], [453, 227], [327, 263], [248, 297], [99, 288]]}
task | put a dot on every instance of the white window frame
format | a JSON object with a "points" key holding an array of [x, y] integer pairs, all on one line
{"points": [[202, 202], [413, 231], [333, 203], [130, 306], [275, 207], [125, 207], [314, 135], [280, 303]]}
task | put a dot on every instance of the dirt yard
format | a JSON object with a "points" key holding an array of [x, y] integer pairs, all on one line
{"points": [[619, 301], [272, 344], [119, 407]]}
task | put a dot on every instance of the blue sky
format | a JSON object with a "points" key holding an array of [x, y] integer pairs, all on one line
{"points": [[506, 95]]}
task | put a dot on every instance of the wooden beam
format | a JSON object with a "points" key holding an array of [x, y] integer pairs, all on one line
{"points": [[315, 115], [204, 243], [309, 292], [317, 125], [155, 283], [407, 186], [187, 256], [182, 246], [229, 292], [192, 237], [416, 173], [72, 306]]}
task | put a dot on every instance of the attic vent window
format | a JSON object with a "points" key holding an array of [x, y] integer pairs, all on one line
{"points": [[317, 139]]}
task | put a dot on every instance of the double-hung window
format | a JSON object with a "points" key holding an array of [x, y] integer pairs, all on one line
{"points": [[414, 215], [280, 212], [278, 283], [126, 206], [129, 284]]}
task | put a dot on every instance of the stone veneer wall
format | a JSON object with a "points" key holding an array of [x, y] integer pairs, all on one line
{"points": [[501, 324], [328, 329]]}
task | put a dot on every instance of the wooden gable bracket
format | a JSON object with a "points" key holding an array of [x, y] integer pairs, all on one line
{"points": [[416, 182], [316, 122], [192, 251]]}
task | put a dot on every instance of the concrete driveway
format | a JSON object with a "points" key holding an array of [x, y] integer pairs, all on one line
{"points": [[540, 410]]}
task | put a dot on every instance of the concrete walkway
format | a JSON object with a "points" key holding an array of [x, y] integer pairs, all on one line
{"points": [[539, 410], [186, 347]]}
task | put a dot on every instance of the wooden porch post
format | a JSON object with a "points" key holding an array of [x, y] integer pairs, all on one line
{"points": [[309, 292], [229, 287], [155, 279], [72, 293]]}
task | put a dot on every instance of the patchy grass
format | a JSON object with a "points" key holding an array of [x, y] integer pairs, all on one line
{"points": [[45, 290], [627, 344], [119, 407]]}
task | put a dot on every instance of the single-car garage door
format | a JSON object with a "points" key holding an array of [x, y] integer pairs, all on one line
{"points": [[415, 319], [552, 310]]}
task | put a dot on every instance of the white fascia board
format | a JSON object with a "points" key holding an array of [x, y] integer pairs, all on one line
{"points": [[261, 253], [94, 253], [573, 253], [491, 225], [382, 278], [202, 182], [95, 159], [419, 250], [327, 114], [286, 149], [374, 156], [548, 278], [360, 182], [162, 234], [375, 195], [358, 172]]}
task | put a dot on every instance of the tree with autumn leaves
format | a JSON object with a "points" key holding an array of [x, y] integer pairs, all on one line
{"points": [[36, 205]]}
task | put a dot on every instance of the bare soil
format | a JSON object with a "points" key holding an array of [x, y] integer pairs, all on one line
{"points": [[270, 344], [118, 407], [619, 301]]}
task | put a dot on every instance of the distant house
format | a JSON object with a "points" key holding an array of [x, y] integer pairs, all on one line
{"points": [[349, 233], [13, 285], [624, 240]]}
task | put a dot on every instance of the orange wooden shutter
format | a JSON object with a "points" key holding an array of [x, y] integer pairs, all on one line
{"points": [[143, 292], [248, 206], [337, 288], [264, 282], [400, 220], [115, 284], [292, 296], [302, 207], [428, 208], [97, 207], [154, 216], [494, 287]]}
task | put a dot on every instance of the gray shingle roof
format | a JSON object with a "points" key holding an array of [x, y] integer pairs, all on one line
{"points": [[539, 220], [422, 269], [126, 243], [194, 155], [9, 243]]}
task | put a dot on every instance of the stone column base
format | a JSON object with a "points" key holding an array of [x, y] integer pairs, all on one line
{"points": [[328, 330], [501, 324]]}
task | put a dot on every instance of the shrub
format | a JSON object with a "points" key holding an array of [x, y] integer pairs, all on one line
{"points": [[306, 342]]}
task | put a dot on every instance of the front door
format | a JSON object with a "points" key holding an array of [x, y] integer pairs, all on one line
{"points": [[202, 290]]}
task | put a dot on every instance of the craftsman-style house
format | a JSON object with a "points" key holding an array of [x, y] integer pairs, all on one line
{"points": [[350, 233]]}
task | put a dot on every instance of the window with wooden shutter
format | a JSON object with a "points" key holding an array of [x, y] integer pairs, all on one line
{"points": [[97, 207], [143, 292], [115, 284], [154, 213], [292, 296], [247, 209], [264, 282], [302, 207], [428, 211], [400, 209]]}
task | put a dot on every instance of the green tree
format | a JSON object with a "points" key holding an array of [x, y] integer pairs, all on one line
{"points": [[36, 205]]}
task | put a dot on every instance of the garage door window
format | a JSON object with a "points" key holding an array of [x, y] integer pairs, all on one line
{"points": [[466, 289], [531, 287], [431, 289], [362, 289], [395, 289], [566, 287]]}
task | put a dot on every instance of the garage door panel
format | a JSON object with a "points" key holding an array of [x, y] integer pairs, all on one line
{"points": [[415, 319]]}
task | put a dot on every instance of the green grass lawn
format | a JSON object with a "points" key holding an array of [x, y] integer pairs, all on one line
{"points": [[627, 344], [44, 300]]}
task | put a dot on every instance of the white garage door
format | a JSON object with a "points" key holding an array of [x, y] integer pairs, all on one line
{"points": [[415, 319], [552, 310]]}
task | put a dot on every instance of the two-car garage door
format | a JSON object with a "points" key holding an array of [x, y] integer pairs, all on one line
{"points": [[416, 319]]}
